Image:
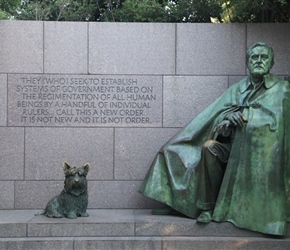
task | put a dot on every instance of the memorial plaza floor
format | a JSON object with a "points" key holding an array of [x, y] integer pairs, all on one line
{"points": [[134, 229]]}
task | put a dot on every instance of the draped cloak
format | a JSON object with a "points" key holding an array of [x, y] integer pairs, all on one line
{"points": [[255, 191]]}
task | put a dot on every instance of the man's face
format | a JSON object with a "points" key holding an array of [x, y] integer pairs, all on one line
{"points": [[260, 61]]}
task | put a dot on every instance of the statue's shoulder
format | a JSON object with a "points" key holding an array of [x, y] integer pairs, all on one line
{"points": [[272, 80]]}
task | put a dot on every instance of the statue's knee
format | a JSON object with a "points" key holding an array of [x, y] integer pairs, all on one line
{"points": [[209, 145]]}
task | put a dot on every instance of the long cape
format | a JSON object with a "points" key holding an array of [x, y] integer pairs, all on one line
{"points": [[255, 192]]}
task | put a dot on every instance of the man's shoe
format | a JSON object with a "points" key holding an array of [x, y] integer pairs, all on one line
{"points": [[204, 217]]}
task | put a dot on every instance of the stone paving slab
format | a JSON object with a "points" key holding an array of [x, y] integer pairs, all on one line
{"points": [[143, 243], [223, 243], [116, 223], [174, 225], [128, 243], [13, 222], [37, 243], [99, 223]]}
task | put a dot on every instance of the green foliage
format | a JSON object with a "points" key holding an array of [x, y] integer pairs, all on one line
{"points": [[57, 10], [192, 11], [8, 8], [3, 15], [256, 11], [147, 10], [140, 11]]}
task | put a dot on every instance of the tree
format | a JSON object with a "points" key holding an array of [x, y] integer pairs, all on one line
{"points": [[256, 11], [147, 10], [165, 11], [57, 10], [140, 11], [190, 11], [8, 8]]}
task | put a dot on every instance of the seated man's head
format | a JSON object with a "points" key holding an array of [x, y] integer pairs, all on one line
{"points": [[260, 59]]}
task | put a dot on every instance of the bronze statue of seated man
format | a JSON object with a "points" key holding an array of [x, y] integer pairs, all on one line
{"points": [[231, 163]]}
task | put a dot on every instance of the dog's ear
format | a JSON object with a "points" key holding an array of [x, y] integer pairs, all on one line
{"points": [[66, 166], [87, 167]]}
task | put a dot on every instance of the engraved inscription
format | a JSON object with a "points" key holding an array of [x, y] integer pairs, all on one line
{"points": [[86, 100]]}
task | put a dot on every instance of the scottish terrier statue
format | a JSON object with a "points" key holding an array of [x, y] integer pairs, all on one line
{"points": [[72, 202]]}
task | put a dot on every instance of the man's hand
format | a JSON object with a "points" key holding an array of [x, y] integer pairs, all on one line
{"points": [[223, 128], [236, 118]]}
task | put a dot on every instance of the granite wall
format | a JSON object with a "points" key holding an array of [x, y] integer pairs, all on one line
{"points": [[110, 94]]}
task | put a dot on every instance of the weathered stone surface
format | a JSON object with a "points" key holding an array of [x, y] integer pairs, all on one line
{"points": [[22, 53], [76, 146], [125, 229], [277, 36], [11, 153], [131, 48], [169, 225], [79, 100], [3, 99], [99, 223], [135, 150], [35, 194], [209, 49], [65, 47], [126, 243], [224, 243], [13, 223], [118, 194], [102, 194], [37, 243], [187, 96], [7, 195]]}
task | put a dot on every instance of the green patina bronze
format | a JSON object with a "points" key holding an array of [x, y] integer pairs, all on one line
{"points": [[231, 162], [72, 202]]}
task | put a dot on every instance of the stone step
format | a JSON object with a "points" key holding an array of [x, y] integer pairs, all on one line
{"points": [[126, 229], [143, 243]]}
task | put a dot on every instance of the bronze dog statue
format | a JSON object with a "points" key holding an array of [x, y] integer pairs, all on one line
{"points": [[72, 202]]}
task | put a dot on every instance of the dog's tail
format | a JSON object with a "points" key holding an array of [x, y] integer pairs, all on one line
{"points": [[42, 212]]}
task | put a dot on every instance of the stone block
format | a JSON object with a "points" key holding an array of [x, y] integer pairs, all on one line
{"points": [[48, 148], [21, 47], [65, 47], [11, 153], [7, 195], [222, 243], [186, 96], [13, 223], [37, 243], [131, 48], [35, 194], [128, 243], [277, 36], [102, 194], [135, 149], [118, 194], [170, 225], [99, 223], [85, 100], [211, 49], [3, 99]]}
